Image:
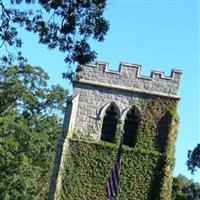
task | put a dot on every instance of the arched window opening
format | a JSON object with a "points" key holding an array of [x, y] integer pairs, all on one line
{"points": [[131, 125], [110, 121], [163, 130]]}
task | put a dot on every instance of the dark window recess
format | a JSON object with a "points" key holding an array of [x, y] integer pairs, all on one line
{"points": [[131, 125], [163, 130], [109, 126]]}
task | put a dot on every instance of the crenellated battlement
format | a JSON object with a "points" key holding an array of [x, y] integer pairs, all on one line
{"points": [[128, 77]]}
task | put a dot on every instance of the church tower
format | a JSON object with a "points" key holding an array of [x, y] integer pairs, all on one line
{"points": [[106, 101]]}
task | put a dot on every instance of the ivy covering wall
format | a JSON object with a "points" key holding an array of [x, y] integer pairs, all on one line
{"points": [[147, 168]]}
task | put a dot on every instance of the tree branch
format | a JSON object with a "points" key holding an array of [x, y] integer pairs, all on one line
{"points": [[6, 110], [4, 9]]}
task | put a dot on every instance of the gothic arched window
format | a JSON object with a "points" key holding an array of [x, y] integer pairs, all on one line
{"points": [[110, 121], [163, 130], [131, 125]]}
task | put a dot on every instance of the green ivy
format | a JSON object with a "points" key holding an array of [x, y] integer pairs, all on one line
{"points": [[87, 168], [146, 172]]}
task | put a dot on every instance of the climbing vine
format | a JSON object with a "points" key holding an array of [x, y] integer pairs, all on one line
{"points": [[146, 169]]}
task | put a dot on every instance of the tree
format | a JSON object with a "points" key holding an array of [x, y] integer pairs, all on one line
{"points": [[63, 24], [193, 161], [184, 189], [29, 129]]}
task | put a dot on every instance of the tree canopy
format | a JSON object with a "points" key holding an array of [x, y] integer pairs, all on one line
{"points": [[29, 129], [63, 24], [193, 161], [185, 189], [29, 109]]}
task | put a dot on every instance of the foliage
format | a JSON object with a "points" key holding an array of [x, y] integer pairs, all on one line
{"points": [[29, 129], [146, 168], [63, 24], [184, 189], [25, 87], [193, 161], [90, 165], [154, 127]]}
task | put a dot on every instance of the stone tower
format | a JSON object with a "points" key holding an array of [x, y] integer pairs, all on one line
{"points": [[104, 101]]}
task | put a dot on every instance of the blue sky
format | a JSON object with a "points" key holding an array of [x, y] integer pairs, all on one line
{"points": [[159, 35]]}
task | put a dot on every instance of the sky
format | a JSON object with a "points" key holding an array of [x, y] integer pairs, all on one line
{"points": [[159, 35]]}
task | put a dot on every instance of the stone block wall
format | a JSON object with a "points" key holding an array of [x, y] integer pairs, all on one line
{"points": [[92, 102], [128, 77], [98, 86]]}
